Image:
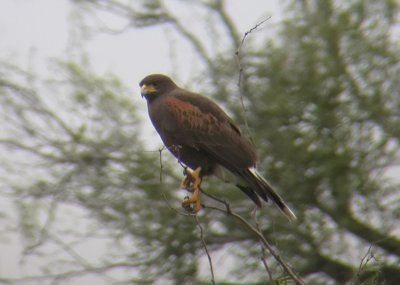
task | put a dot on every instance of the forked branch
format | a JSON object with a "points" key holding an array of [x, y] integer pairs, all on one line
{"points": [[257, 233]]}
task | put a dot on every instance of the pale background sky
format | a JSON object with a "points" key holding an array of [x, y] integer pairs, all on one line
{"points": [[33, 31], [42, 28]]}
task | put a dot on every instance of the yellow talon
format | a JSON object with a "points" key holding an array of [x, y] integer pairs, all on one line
{"points": [[192, 183]]}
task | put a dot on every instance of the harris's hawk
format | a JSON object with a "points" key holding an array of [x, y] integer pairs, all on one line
{"points": [[204, 138]]}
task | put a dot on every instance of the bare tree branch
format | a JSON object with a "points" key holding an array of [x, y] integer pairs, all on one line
{"points": [[242, 78], [206, 249], [263, 253], [259, 235]]}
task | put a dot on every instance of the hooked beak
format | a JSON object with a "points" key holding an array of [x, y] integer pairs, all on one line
{"points": [[147, 89]]}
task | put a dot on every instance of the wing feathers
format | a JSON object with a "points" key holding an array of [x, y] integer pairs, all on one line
{"points": [[209, 129]]}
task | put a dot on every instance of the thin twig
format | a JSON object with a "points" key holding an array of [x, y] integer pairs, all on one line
{"points": [[260, 236], [199, 226], [240, 83], [160, 150], [364, 261], [206, 250], [263, 254], [259, 24]]}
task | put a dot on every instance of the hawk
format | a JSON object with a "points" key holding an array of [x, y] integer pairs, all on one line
{"points": [[205, 139]]}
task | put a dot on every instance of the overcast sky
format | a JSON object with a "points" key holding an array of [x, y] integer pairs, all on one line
{"points": [[33, 31], [42, 28]]}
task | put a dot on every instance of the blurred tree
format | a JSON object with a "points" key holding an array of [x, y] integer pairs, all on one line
{"points": [[82, 147], [323, 100]]}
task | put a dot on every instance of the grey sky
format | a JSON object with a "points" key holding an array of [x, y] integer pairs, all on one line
{"points": [[32, 31]]}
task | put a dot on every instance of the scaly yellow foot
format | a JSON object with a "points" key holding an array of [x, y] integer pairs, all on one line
{"points": [[192, 183]]}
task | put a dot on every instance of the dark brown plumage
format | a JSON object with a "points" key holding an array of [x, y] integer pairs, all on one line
{"points": [[200, 134]]}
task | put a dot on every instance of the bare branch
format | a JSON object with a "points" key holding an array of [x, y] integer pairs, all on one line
{"points": [[206, 249], [259, 235], [369, 255], [241, 77], [263, 253], [160, 150]]}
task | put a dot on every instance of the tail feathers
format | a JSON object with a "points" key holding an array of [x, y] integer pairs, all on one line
{"points": [[251, 194], [259, 185]]}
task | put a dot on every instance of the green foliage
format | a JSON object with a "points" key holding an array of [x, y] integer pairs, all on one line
{"points": [[91, 154], [323, 103]]}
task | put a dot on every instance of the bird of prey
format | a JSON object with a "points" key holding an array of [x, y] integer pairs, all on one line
{"points": [[205, 139]]}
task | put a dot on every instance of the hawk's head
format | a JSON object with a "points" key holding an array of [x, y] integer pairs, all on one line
{"points": [[155, 85]]}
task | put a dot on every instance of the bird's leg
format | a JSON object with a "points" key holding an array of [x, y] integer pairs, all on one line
{"points": [[192, 183], [187, 181]]}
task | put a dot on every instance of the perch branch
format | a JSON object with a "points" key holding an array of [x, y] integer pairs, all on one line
{"points": [[259, 235]]}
